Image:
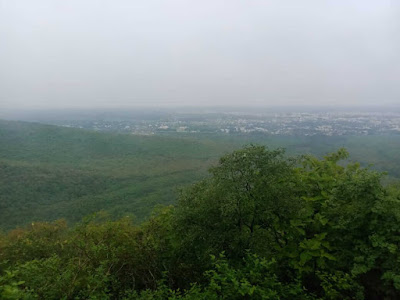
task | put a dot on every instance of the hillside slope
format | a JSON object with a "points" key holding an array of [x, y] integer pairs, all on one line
{"points": [[49, 172]]}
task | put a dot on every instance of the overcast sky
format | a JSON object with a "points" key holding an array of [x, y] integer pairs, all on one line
{"points": [[94, 53]]}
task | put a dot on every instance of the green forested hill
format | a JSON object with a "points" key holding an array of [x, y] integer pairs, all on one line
{"points": [[49, 172]]}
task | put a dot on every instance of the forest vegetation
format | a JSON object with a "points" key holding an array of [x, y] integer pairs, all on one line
{"points": [[263, 224], [49, 172]]}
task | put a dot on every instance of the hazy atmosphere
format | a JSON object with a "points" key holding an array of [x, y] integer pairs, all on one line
{"points": [[200, 150], [82, 54]]}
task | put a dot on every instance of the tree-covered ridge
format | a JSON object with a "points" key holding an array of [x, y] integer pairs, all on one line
{"points": [[261, 226], [49, 172]]}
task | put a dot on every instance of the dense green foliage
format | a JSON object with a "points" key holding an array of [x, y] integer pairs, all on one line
{"points": [[49, 172], [261, 226]]}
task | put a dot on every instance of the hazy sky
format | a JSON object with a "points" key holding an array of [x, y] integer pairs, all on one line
{"points": [[94, 53]]}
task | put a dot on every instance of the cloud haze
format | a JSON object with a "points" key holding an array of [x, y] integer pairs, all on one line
{"points": [[93, 53]]}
